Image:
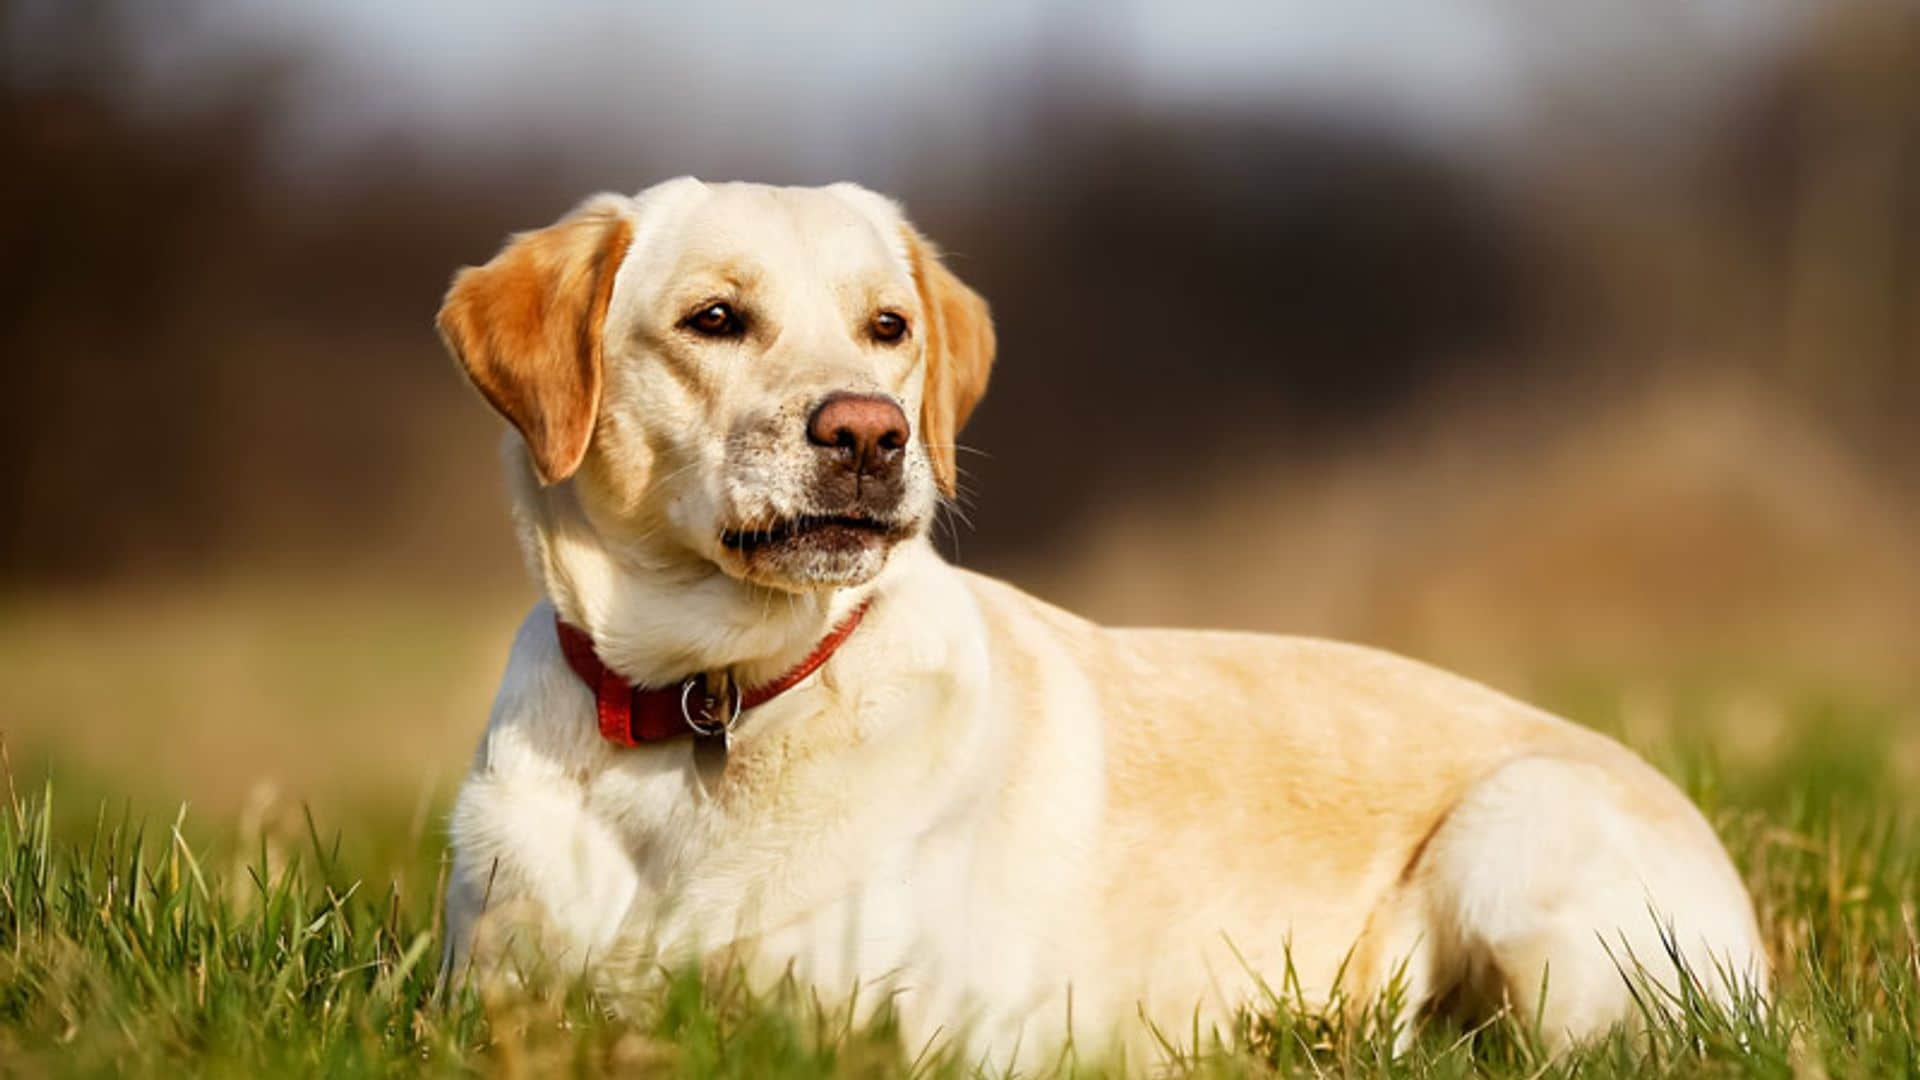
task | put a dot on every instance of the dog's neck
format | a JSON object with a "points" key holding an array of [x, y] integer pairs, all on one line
{"points": [[657, 614]]}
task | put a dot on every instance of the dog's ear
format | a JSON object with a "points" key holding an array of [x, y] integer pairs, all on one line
{"points": [[959, 342], [527, 329]]}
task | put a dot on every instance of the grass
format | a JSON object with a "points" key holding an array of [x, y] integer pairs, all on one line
{"points": [[266, 944]]}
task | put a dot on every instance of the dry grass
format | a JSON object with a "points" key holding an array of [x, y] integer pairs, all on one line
{"points": [[336, 693], [1703, 522]]}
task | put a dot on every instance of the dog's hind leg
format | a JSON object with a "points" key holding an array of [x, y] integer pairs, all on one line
{"points": [[1564, 887]]}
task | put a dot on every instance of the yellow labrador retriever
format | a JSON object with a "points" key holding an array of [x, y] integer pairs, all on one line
{"points": [[756, 712]]}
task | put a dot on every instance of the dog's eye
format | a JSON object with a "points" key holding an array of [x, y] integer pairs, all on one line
{"points": [[889, 326], [715, 320]]}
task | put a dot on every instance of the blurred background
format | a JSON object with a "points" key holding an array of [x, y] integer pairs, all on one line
{"points": [[1570, 345]]}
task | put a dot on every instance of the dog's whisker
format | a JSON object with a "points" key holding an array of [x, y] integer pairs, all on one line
{"points": [[955, 506]]}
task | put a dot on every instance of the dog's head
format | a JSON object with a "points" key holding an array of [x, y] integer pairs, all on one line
{"points": [[769, 379]]}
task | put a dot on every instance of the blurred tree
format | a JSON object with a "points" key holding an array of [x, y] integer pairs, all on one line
{"points": [[118, 224]]}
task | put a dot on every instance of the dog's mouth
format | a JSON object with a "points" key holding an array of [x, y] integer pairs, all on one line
{"points": [[822, 531]]}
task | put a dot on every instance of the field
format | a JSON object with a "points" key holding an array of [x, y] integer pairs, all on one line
{"points": [[221, 829], [291, 928]]}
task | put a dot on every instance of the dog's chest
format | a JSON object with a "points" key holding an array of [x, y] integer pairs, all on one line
{"points": [[849, 876]]}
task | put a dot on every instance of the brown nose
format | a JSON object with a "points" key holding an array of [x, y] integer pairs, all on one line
{"points": [[864, 432]]}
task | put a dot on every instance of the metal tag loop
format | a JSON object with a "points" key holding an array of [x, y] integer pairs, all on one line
{"points": [[706, 723]]}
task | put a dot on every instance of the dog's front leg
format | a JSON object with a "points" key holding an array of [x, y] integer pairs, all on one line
{"points": [[539, 885]]}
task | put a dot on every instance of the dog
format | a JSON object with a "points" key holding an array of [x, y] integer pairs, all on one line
{"points": [[756, 715]]}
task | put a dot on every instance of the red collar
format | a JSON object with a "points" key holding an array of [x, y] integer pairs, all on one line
{"points": [[631, 715]]}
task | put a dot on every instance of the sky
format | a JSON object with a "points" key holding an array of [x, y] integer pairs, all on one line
{"points": [[824, 82]]}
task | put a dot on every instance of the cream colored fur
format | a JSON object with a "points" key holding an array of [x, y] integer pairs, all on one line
{"points": [[995, 810]]}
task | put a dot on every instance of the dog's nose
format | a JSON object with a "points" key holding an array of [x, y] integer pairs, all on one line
{"points": [[864, 432]]}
